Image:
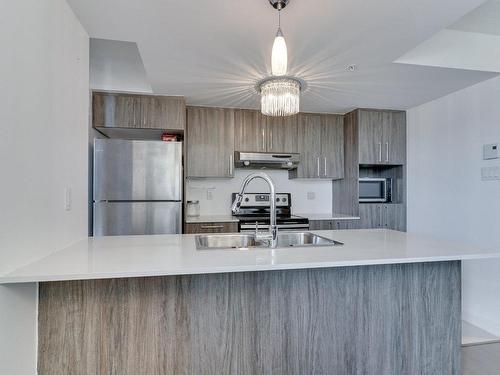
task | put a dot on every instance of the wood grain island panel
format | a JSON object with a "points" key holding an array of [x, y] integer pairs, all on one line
{"points": [[383, 319]]}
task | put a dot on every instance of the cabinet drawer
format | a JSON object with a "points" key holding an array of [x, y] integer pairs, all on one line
{"points": [[211, 228], [333, 224]]}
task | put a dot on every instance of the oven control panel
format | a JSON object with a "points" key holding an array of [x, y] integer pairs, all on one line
{"points": [[263, 200]]}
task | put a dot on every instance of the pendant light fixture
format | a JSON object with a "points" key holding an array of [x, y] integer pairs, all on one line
{"points": [[279, 55], [280, 94]]}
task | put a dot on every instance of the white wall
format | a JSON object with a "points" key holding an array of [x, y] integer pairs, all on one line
{"points": [[44, 97], [446, 197], [221, 190]]}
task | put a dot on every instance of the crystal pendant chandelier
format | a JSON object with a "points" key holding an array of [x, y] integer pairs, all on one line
{"points": [[280, 94]]}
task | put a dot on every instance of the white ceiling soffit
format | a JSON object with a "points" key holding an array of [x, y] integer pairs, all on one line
{"points": [[213, 52], [484, 19], [458, 50], [471, 43], [117, 65]]}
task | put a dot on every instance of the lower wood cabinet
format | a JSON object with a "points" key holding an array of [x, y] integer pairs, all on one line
{"points": [[226, 227], [389, 216], [333, 224]]}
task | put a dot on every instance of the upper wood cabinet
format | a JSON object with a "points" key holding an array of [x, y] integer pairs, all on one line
{"points": [[320, 141], [255, 132], [250, 131], [395, 138], [281, 134], [116, 110], [382, 137], [210, 142], [332, 146]]}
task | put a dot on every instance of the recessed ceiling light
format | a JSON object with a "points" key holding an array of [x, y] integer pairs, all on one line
{"points": [[351, 68]]}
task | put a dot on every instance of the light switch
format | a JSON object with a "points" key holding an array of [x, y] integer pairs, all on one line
{"points": [[490, 173], [490, 151], [67, 199]]}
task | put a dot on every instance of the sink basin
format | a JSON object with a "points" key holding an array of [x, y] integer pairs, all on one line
{"points": [[245, 241], [300, 239], [225, 241]]}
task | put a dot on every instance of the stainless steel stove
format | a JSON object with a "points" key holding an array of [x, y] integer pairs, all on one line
{"points": [[255, 209]]}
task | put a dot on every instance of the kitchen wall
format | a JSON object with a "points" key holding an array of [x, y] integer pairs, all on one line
{"points": [[219, 190], [44, 100], [446, 197]]}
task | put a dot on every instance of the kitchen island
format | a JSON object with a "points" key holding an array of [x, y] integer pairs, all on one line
{"points": [[385, 302]]}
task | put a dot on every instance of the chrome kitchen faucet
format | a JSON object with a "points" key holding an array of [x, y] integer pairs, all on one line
{"points": [[272, 236]]}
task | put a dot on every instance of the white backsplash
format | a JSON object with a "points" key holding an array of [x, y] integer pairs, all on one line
{"points": [[308, 196]]}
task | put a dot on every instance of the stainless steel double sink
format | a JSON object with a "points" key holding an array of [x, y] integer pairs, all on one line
{"points": [[246, 241]]}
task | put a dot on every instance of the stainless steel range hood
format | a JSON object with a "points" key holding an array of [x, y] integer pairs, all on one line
{"points": [[266, 160]]}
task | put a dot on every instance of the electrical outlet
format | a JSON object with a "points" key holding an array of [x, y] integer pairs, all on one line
{"points": [[210, 195], [67, 199], [311, 195], [490, 173]]}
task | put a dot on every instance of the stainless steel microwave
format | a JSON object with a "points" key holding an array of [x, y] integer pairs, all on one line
{"points": [[375, 190]]}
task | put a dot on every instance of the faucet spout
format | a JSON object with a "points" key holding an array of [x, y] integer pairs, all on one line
{"points": [[273, 228]]}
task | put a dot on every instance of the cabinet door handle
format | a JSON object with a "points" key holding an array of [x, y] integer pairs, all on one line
{"points": [[212, 226], [230, 164], [380, 152], [263, 139], [318, 167], [325, 167], [387, 151]]}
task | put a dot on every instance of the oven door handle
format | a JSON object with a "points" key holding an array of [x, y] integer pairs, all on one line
{"points": [[280, 226]]}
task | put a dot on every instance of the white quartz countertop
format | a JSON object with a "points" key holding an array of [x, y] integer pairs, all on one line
{"points": [[211, 219], [134, 256], [331, 216]]}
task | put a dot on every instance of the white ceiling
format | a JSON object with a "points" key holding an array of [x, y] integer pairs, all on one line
{"points": [[473, 43], [214, 51], [484, 19]]}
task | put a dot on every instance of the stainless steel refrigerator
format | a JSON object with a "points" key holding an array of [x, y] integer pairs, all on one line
{"points": [[137, 187]]}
